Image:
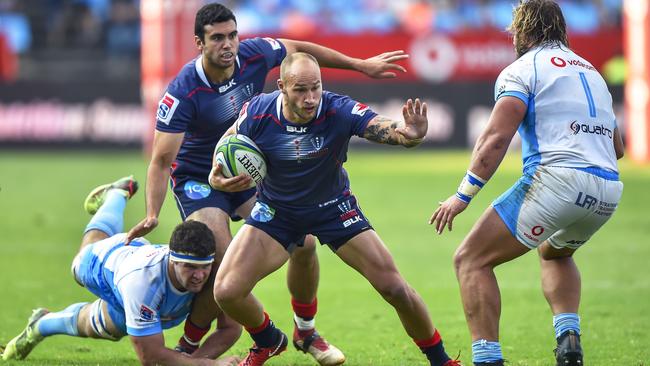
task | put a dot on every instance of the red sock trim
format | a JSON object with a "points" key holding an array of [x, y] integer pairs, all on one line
{"points": [[193, 332], [260, 328], [425, 343], [304, 310]]}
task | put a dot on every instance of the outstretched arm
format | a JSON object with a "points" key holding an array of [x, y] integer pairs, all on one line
{"points": [[488, 153], [408, 133], [382, 66], [165, 148]]}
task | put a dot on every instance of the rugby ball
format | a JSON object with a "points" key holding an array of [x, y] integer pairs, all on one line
{"points": [[238, 154]]}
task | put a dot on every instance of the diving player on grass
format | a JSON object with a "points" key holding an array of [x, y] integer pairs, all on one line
{"points": [[141, 288]]}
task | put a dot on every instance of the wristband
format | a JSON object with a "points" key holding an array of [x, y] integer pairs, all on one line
{"points": [[469, 187]]}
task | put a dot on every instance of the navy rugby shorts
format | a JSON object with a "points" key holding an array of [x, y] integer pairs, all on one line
{"points": [[193, 193], [334, 222]]}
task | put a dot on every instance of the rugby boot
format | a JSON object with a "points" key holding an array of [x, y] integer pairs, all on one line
{"points": [[258, 355], [309, 341], [569, 351], [457, 363], [96, 197], [19, 347]]}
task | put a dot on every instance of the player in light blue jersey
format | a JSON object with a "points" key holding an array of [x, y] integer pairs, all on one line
{"points": [[141, 288], [199, 105], [569, 188], [304, 133]]}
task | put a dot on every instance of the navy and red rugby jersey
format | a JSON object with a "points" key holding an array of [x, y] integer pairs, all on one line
{"points": [[304, 161], [204, 111]]}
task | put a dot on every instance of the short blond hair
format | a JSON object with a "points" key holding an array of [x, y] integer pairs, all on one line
{"points": [[285, 66]]}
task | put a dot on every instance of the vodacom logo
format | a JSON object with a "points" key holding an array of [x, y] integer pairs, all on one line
{"points": [[558, 62]]}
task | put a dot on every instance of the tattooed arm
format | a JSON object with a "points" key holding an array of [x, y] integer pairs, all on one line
{"points": [[409, 133]]}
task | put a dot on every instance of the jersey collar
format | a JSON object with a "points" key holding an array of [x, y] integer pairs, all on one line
{"points": [[278, 107], [198, 65]]}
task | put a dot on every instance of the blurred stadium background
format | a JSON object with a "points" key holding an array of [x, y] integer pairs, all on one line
{"points": [[80, 81], [73, 74]]}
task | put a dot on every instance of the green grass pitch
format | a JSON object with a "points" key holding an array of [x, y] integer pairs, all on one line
{"points": [[41, 221]]}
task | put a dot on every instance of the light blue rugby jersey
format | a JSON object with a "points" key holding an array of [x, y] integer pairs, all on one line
{"points": [[138, 280], [570, 121]]}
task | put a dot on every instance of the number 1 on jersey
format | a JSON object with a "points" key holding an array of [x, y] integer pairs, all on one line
{"points": [[590, 98]]}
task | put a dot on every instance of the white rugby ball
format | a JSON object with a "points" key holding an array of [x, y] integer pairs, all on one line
{"points": [[238, 154]]}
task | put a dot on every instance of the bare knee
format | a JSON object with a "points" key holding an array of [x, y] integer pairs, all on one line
{"points": [[394, 290], [460, 259], [226, 292]]}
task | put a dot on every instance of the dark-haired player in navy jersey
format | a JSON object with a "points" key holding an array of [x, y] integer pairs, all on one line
{"points": [[200, 104], [304, 135]]}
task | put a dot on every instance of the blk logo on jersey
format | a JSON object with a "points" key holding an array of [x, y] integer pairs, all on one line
{"points": [[299, 129], [225, 88], [196, 190], [166, 108], [359, 109], [350, 215]]}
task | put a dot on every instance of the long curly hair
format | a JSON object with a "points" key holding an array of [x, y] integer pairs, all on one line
{"points": [[537, 22]]}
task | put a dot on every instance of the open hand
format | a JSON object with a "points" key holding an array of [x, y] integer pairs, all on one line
{"points": [[382, 66], [143, 228], [415, 121], [445, 213]]}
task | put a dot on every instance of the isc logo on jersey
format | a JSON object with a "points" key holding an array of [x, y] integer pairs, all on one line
{"points": [[166, 108], [359, 109]]}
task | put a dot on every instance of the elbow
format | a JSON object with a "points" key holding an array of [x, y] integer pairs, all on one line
{"points": [[620, 154]]}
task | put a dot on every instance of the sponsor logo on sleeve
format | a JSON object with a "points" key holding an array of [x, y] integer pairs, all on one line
{"points": [[359, 109], [274, 43], [147, 314], [166, 108]]}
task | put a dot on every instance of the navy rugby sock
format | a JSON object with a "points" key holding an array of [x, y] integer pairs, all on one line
{"points": [[110, 217], [433, 349], [266, 335], [61, 322]]}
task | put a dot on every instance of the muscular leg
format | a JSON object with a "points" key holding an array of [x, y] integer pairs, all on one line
{"points": [[252, 255], [303, 272], [560, 279], [367, 254], [488, 244]]}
